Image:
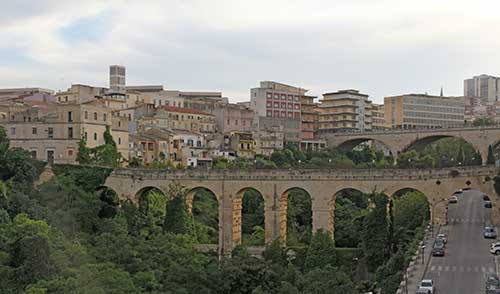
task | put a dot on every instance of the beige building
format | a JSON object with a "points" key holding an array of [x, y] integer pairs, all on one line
{"points": [[423, 111], [51, 131], [378, 117], [268, 141], [179, 119], [309, 116], [233, 118], [485, 87], [115, 100], [345, 110]]}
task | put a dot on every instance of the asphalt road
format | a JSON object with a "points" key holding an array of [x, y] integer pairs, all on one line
{"points": [[467, 260]]}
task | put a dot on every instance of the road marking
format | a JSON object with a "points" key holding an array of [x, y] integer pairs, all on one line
{"points": [[483, 269], [433, 268], [446, 268], [453, 268], [461, 268], [439, 268], [469, 269]]}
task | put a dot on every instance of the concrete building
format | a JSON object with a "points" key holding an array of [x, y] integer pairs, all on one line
{"points": [[268, 141], [233, 118], [51, 131], [11, 93], [278, 105], [345, 110], [423, 111], [378, 117], [117, 80], [483, 86], [309, 116]]}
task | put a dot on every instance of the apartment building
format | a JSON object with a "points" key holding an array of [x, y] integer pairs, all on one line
{"points": [[278, 105], [345, 110], [378, 117], [309, 116], [233, 118], [51, 131], [423, 111], [268, 141], [485, 87]]}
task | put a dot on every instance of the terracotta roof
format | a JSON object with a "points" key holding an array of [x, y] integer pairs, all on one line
{"points": [[184, 110]]}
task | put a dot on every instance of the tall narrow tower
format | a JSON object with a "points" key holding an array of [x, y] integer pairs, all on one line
{"points": [[117, 78]]}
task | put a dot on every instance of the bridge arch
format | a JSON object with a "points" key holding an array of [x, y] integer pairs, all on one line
{"points": [[247, 201], [144, 190], [289, 196], [350, 144], [205, 208]]}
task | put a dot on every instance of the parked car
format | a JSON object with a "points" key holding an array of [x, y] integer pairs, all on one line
{"points": [[423, 291], [466, 189], [486, 197], [495, 248], [442, 237], [438, 249], [489, 232], [458, 192], [492, 284], [453, 199], [427, 284], [487, 204]]}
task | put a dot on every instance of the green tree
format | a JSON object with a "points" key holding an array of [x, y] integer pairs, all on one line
{"points": [[321, 251], [323, 280], [83, 156], [375, 233], [491, 156], [177, 219]]}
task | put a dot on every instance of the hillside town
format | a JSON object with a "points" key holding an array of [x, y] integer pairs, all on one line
{"points": [[151, 124]]}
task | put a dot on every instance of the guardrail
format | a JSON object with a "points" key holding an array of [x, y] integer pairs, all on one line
{"points": [[405, 131]]}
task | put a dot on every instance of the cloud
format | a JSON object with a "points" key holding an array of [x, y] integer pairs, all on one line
{"points": [[383, 48]]}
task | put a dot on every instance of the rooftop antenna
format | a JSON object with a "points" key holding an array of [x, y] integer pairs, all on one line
{"points": [[441, 91]]}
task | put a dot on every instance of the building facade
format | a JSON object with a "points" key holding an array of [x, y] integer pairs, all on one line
{"points": [[309, 116], [51, 131], [345, 110], [423, 111], [485, 87], [378, 117]]}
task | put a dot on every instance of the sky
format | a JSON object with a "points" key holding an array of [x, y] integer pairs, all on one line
{"points": [[380, 47]]}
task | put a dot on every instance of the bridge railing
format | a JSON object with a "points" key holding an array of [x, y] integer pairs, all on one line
{"points": [[313, 174], [422, 130]]}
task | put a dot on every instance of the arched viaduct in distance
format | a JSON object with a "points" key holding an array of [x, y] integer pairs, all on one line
{"points": [[398, 141], [321, 184]]}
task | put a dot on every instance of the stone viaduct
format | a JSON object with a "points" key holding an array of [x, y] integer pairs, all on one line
{"points": [[398, 141], [321, 184]]}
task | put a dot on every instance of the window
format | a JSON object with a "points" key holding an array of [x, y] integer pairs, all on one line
{"points": [[70, 116], [276, 105], [95, 115], [228, 121], [269, 104], [85, 136], [33, 154], [151, 147], [50, 132], [129, 117], [297, 106], [269, 113], [104, 117], [86, 114], [296, 98], [190, 142], [198, 143], [70, 152], [283, 105], [34, 131], [283, 113], [276, 96], [12, 131], [95, 136], [290, 114], [119, 123], [236, 122], [269, 95], [290, 105], [70, 133], [283, 97], [119, 141], [276, 113]]}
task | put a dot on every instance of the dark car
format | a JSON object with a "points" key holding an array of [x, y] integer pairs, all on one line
{"points": [[486, 197], [487, 204], [438, 249], [489, 232], [492, 284]]}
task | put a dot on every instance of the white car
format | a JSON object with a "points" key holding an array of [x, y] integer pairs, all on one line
{"points": [[453, 199], [427, 284], [495, 248]]}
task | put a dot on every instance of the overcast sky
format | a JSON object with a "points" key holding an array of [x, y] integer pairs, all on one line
{"points": [[381, 47]]}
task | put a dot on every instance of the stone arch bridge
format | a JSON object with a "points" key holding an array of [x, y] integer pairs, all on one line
{"points": [[321, 184], [398, 141]]}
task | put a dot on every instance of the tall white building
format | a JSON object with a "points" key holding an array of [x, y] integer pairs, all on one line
{"points": [[117, 78], [483, 86]]}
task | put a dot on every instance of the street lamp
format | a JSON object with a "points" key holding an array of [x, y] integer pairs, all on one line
{"points": [[432, 214]]}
